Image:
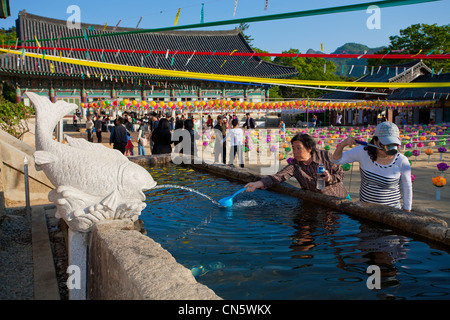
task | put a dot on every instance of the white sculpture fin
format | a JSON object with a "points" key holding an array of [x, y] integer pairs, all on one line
{"points": [[83, 144], [44, 157], [112, 201]]}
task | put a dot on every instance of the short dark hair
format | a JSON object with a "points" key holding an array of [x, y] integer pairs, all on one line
{"points": [[307, 141], [234, 122]]}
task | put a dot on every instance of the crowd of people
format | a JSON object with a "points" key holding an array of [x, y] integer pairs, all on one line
{"points": [[385, 176]]}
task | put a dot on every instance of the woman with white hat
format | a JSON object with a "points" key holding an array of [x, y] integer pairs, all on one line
{"points": [[385, 173]]}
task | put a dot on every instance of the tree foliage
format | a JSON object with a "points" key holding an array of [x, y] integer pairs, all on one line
{"points": [[242, 27], [8, 36], [308, 69], [419, 37], [13, 117]]}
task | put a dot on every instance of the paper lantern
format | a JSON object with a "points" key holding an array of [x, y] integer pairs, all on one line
{"points": [[126, 101], [439, 181]]}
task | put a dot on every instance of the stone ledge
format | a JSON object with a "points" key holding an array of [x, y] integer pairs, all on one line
{"points": [[124, 264]]}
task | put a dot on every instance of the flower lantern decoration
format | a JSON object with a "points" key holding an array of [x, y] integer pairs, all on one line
{"points": [[442, 150], [439, 182], [429, 152], [442, 167]]}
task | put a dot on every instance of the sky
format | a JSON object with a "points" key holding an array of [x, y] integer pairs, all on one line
{"points": [[303, 33]]}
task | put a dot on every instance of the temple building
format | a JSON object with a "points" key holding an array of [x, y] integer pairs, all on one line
{"points": [[80, 84], [414, 71]]}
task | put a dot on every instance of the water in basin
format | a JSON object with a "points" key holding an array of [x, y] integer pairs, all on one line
{"points": [[273, 246]]}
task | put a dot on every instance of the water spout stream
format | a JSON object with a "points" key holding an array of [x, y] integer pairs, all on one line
{"points": [[188, 189]]}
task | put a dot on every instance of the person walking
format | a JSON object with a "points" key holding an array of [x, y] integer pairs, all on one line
{"points": [[249, 122], [162, 138], [142, 140], [98, 129], [236, 136], [89, 128], [119, 136], [220, 131]]}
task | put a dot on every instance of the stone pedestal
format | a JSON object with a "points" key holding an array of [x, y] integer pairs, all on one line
{"points": [[77, 264]]}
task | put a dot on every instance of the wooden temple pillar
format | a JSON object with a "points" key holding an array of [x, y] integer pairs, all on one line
{"points": [[18, 95], [52, 95]]}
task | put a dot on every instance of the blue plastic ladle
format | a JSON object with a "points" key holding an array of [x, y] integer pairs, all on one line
{"points": [[368, 144], [228, 201]]}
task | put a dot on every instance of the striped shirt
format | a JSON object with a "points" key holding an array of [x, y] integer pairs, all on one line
{"points": [[382, 184]]}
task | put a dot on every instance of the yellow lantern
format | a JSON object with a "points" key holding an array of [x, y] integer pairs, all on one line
{"points": [[126, 101]]}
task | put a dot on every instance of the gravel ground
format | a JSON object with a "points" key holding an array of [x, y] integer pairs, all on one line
{"points": [[16, 255]]}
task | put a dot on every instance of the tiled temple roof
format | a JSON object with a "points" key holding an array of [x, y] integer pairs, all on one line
{"points": [[424, 93], [29, 26], [414, 71]]}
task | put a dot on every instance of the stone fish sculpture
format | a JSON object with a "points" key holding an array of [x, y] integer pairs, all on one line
{"points": [[92, 182]]}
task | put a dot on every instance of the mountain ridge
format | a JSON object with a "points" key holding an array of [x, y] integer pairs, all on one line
{"points": [[358, 64]]}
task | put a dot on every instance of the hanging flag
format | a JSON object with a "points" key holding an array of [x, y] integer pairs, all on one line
{"points": [[365, 51], [85, 35], [202, 14], [325, 68], [177, 16], [351, 69], [114, 29], [365, 69], [223, 63], [167, 53], [91, 28], [387, 70], [189, 58], [418, 53], [59, 38], [266, 5], [51, 67], [37, 42], [342, 69], [139, 22], [104, 28], [235, 6], [321, 47]]}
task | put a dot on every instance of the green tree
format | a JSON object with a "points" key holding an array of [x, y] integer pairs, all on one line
{"points": [[419, 37], [244, 26], [308, 69], [13, 117], [8, 36]]}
